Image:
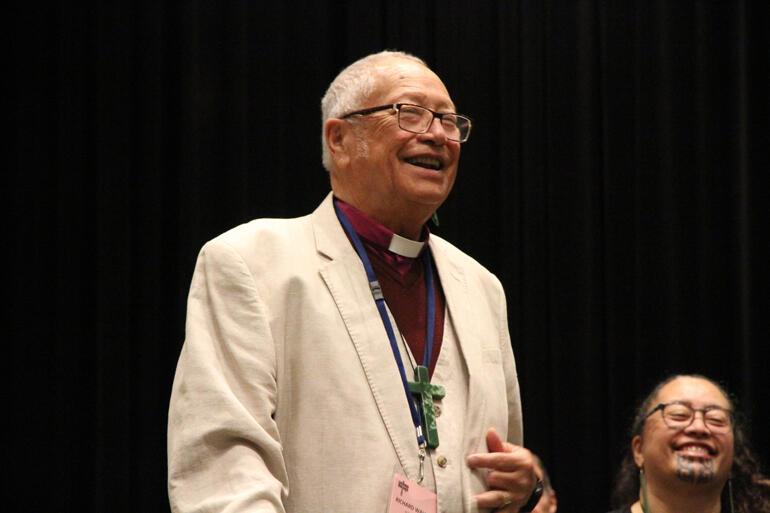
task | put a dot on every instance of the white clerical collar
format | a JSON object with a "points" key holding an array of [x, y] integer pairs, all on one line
{"points": [[405, 247]]}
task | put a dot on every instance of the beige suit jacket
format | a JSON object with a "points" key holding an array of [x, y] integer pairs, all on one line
{"points": [[287, 396]]}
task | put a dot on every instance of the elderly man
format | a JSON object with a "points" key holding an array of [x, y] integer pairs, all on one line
{"points": [[348, 361]]}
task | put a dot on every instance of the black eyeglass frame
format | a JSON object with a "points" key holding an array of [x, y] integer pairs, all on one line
{"points": [[397, 108], [704, 411]]}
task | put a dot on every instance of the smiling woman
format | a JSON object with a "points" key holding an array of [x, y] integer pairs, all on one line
{"points": [[688, 452]]}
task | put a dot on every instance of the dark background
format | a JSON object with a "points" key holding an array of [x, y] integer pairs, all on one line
{"points": [[616, 181]]}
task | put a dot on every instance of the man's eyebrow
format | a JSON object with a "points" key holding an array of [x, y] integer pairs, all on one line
{"points": [[421, 99], [707, 407]]}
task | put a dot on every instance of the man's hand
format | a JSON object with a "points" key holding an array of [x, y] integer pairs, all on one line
{"points": [[511, 478]]}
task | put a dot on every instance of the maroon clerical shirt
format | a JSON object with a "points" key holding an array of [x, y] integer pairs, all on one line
{"points": [[403, 283]]}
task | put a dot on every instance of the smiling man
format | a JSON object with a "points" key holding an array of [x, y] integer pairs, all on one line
{"points": [[689, 453], [349, 360]]}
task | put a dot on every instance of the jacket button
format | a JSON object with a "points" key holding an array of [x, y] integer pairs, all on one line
{"points": [[437, 410], [442, 461]]}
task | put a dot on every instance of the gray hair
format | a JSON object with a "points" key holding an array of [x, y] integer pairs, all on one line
{"points": [[350, 89]]}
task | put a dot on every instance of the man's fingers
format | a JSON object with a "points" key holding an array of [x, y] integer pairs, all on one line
{"points": [[511, 477], [494, 443], [510, 461], [499, 499], [510, 480]]}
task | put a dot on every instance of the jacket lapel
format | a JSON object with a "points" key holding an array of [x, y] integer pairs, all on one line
{"points": [[462, 314], [345, 277]]}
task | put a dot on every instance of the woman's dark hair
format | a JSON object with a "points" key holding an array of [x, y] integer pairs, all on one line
{"points": [[751, 489]]}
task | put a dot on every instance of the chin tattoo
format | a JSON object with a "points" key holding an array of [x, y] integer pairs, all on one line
{"points": [[694, 470]]}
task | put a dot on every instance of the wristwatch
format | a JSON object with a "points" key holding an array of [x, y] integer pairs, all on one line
{"points": [[534, 498]]}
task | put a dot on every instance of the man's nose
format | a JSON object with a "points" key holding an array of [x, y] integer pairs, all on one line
{"points": [[698, 423], [436, 132]]}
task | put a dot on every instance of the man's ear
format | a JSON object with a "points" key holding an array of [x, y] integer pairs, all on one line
{"points": [[337, 134], [636, 449]]}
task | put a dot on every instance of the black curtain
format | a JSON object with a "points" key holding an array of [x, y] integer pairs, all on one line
{"points": [[616, 181]]}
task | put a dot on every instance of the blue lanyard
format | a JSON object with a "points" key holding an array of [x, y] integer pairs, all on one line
{"points": [[379, 299]]}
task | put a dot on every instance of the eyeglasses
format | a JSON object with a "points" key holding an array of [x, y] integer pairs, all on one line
{"points": [[418, 119], [679, 415]]}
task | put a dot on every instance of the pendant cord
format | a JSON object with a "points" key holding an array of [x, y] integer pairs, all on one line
{"points": [[408, 352]]}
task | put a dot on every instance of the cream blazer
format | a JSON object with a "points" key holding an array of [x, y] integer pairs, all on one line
{"points": [[287, 396]]}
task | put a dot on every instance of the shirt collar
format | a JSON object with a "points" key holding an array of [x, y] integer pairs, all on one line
{"points": [[393, 247]]}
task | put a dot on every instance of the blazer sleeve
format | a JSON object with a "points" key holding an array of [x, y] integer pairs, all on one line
{"points": [[224, 450], [515, 422]]}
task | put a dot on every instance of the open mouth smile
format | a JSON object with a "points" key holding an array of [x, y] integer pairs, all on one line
{"points": [[425, 162], [695, 451]]}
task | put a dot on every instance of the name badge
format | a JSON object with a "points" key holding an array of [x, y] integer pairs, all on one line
{"points": [[409, 497]]}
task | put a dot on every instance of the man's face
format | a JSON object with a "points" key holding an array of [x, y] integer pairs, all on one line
{"points": [[393, 172], [694, 454]]}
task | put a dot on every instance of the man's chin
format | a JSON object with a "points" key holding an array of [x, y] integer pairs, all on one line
{"points": [[695, 470]]}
